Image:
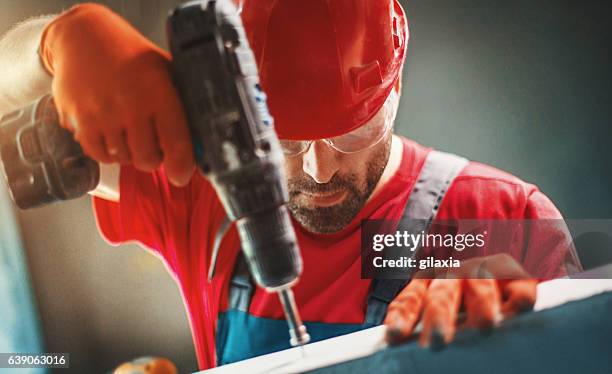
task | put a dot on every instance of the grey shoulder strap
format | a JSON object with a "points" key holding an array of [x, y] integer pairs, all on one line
{"points": [[241, 287], [435, 177]]}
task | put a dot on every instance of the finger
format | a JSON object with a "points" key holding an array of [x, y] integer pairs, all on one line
{"points": [[92, 144], [68, 121], [143, 145], [405, 310], [502, 266], [499, 266], [519, 296], [116, 144], [440, 313], [175, 140], [482, 302]]}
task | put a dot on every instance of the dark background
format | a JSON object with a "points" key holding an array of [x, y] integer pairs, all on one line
{"points": [[522, 85]]}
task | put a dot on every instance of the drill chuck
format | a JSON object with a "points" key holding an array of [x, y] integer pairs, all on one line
{"points": [[270, 248]]}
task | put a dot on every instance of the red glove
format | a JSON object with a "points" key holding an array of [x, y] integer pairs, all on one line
{"points": [[113, 89], [437, 303]]}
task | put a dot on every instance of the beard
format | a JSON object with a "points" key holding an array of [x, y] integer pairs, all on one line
{"points": [[331, 219]]}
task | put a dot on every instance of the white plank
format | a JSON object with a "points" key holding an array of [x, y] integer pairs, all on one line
{"points": [[366, 342]]}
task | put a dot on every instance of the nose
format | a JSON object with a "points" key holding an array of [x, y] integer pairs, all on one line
{"points": [[320, 161]]}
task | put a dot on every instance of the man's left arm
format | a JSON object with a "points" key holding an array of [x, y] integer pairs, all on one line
{"points": [[549, 250], [546, 249]]}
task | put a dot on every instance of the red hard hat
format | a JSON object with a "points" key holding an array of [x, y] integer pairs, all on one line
{"points": [[327, 66]]}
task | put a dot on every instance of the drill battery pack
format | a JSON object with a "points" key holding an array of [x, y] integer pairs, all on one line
{"points": [[42, 162]]}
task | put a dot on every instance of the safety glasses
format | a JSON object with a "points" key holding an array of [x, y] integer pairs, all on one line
{"points": [[357, 140]]}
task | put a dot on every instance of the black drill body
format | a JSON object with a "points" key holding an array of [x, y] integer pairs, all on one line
{"points": [[234, 140]]}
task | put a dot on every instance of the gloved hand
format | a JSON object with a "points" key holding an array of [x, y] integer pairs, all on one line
{"points": [[437, 302], [113, 89]]}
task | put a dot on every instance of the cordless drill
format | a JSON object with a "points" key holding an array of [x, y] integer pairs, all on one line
{"points": [[233, 138]]}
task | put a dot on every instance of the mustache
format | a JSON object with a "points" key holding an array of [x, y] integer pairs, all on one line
{"points": [[306, 184]]}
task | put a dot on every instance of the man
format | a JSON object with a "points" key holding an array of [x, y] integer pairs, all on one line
{"points": [[332, 73]]}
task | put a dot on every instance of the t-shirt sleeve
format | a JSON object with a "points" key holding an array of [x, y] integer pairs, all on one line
{"points": [[549, 243], [523, 222], [157, 214]]}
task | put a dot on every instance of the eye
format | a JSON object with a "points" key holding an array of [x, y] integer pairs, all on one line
{"points": [[294, 147], [362, 137]]}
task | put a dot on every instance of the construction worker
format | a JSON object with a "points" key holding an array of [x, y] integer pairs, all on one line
{"points": [[332, 73]]}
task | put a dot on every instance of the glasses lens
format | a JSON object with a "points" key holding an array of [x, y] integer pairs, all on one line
{"points": [[294, 147], [363, 137]]}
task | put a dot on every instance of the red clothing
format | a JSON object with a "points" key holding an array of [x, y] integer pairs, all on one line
{"points": [[179, 225]]}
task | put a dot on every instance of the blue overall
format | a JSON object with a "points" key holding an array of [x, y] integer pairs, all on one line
{"points": [[241, 335]]}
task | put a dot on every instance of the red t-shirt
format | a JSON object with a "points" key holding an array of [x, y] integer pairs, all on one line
{"points": [[179, 225]]}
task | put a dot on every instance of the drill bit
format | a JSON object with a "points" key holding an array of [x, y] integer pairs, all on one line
{"points": [[297, 330]]}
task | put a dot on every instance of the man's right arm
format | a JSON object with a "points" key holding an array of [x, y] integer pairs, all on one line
{"points": [[23, 79]]}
